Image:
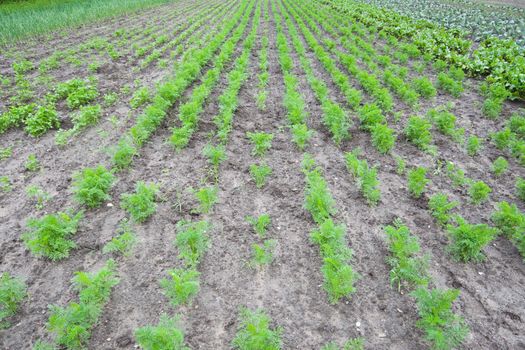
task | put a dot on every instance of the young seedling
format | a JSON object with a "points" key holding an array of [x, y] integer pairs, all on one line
{"points": [[318, 200], [440, 208], [262, 142], [5, 184], [473, 145], [216, 155], [417, 181], [6, 152], [140, 97], [182, 286], [301, 135], [418, 132], [260, 224], [479, 192], [520, 188], [42, 120], [41, 196], [167, 335], [124, 154], [192, 241], [383, 138], [260, 173], [424, 87], [365, 176], [124, 241], [443, 328], [406, 267], [207, 197], [509, 220], [141, 204], [32, 163], [456, 174], [91, 186], [468, 240], [254, 332], [50, 235], [12, 292], [263, 254], [499, 166], [400, 165]]}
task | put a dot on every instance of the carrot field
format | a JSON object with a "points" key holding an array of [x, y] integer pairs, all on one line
{"points": [[261, 175]]}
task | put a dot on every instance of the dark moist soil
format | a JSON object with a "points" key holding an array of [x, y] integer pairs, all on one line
{"points": [[289, 290]]}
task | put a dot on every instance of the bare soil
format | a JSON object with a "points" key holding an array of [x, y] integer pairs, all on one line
{"points": [[289, 290]]}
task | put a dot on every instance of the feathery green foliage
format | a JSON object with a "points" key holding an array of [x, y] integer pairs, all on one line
{"points": [[167, 335], [12, 292], [444, 329], [32, 163], [207, 197], [383, 138], [260, 173], [440, 208], [262, 254], [124, 153], [365, 176], [254, 332], [418, 132], [42, 120], [216, 155], [479, 192], [424, 87], [124, 242], [72, 324], [91, 186], [499, 166], [182, 285], [260, 224], [417, 181], [38, 193], [318, 200], [406, 267], [192, 241], [456, 174], [468, 240], [141, 204], [262, 142], [50, 235], [352, 344], [473, 145], [520, 188], [140, 97]]}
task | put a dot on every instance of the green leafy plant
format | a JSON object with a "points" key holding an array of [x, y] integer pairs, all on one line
{"points": [[32, 163], [424, 87], [77, 92], [254, 332], [383, 138], [91, 186], [207, 197], [12, 292], [418, 132], [445, 123], [260, 224], [124, 241], [520, 188], [216, 155], [50, 235], [124, 154], [450, 85], [479, 192], [406, 267], [499, 166], [42, 120], [72, 324], [263, 254], [38, 193], [140, 97], [473, 145], [455, 174], [352, 344], [440, 208], [318, 200], [6, 152], [262, 142], [400, 165], [192, 241], [467, 240], [365, 176], [167, 335], [5, 184], [417, 181], [141, 204], [182, 285], [509, 220], [301, 134], [260, 173], [443, 328], [370, 115]]}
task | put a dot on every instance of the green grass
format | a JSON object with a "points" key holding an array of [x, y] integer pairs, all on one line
{"points": [[20, 19]]}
